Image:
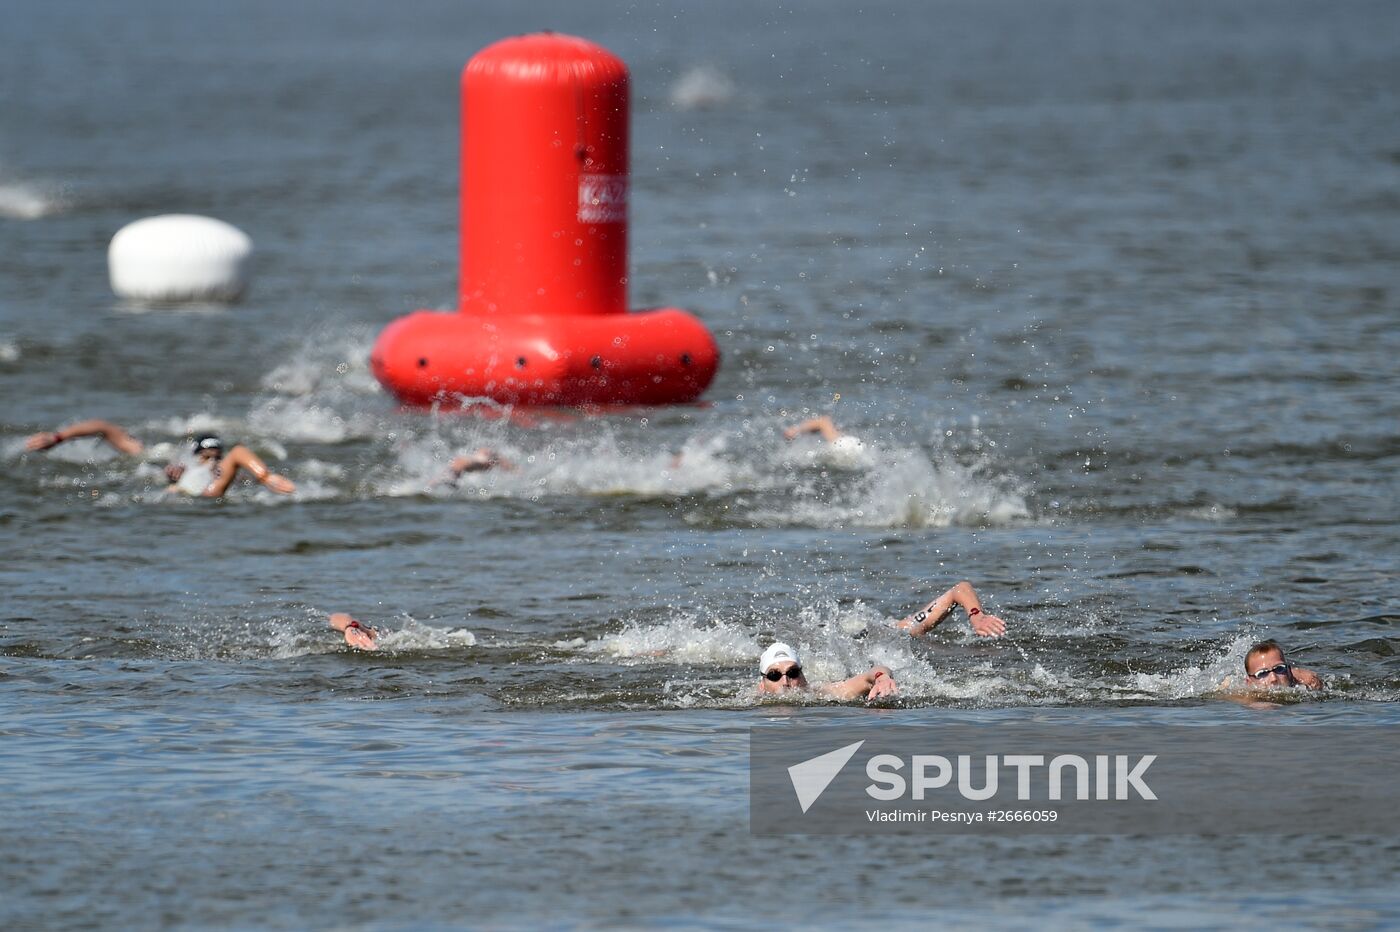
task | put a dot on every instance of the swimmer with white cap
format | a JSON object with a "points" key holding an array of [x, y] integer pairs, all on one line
{"points": [[780, 670], [208, 475], [213, 470], [842, 449]]}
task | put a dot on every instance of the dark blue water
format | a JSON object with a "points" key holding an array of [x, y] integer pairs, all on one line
{"points": [[1109, 291]]}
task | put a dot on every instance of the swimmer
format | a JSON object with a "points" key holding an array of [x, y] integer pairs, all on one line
{"points": [[214, 470], [479, 460], [839, 449], [1265, 667], [209, 476], [822, 426], [358, 635], [927, 618], [1266, 670], [780, 670]]}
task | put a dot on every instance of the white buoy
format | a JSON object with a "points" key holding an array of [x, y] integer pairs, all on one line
{"points": [[179, 257]]}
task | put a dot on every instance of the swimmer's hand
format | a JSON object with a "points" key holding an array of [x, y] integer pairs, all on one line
{"points": [[279, 483], [43, 440], [884, 687], [987, 626], [1307, 678], [173, 471], [358, 636]]}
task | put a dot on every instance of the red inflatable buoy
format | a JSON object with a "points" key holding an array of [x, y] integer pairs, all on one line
{"points": [[542, 300]]}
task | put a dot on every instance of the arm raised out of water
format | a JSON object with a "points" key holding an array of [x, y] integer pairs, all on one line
{"points": [[927, 618], [818, 425], [240, 457], [118, 438]]}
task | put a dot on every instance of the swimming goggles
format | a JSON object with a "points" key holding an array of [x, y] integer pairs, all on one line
{"points": [[1282, 670], [792, 673]]}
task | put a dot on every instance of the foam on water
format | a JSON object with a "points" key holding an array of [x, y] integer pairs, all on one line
{"points": [[847, 452], [595, 464], [1219, 513], [701, 86], [199, 423], [421, 464], [408, 634], [686, 639], [327, 364], [28, 200], [905, 488], [305, 420], [287, 638], [602, 465]]}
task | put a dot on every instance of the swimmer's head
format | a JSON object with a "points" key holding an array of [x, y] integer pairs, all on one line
{"points": [[208, 446], [780, 669], [1265, 665]]}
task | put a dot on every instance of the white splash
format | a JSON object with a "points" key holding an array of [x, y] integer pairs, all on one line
{"points": [[327, 365], [20, 201], [302, 419], [200, 423], [904, 488], [603, 466], [686, 639], [412, 635], [700, 87]]}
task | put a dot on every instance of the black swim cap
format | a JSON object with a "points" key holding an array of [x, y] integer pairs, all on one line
{"points": [[207, 442]]}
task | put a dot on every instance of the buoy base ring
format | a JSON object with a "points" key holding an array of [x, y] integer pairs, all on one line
{"points": [[661, 356]]}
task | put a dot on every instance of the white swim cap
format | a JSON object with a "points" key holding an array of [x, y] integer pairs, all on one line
{"points": [[776, 653]]}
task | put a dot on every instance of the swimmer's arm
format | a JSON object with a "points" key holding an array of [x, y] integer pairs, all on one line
{"points": [[924, 620], [1248, 700], [818, 425], [240, 457], [357, 635], [119, 439], [874, 683]]}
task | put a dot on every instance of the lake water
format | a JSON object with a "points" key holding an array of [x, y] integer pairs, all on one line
{"points": [[1110, 290]]}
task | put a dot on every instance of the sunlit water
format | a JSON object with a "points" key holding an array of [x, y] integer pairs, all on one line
{"points": [[1108, 291]]}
